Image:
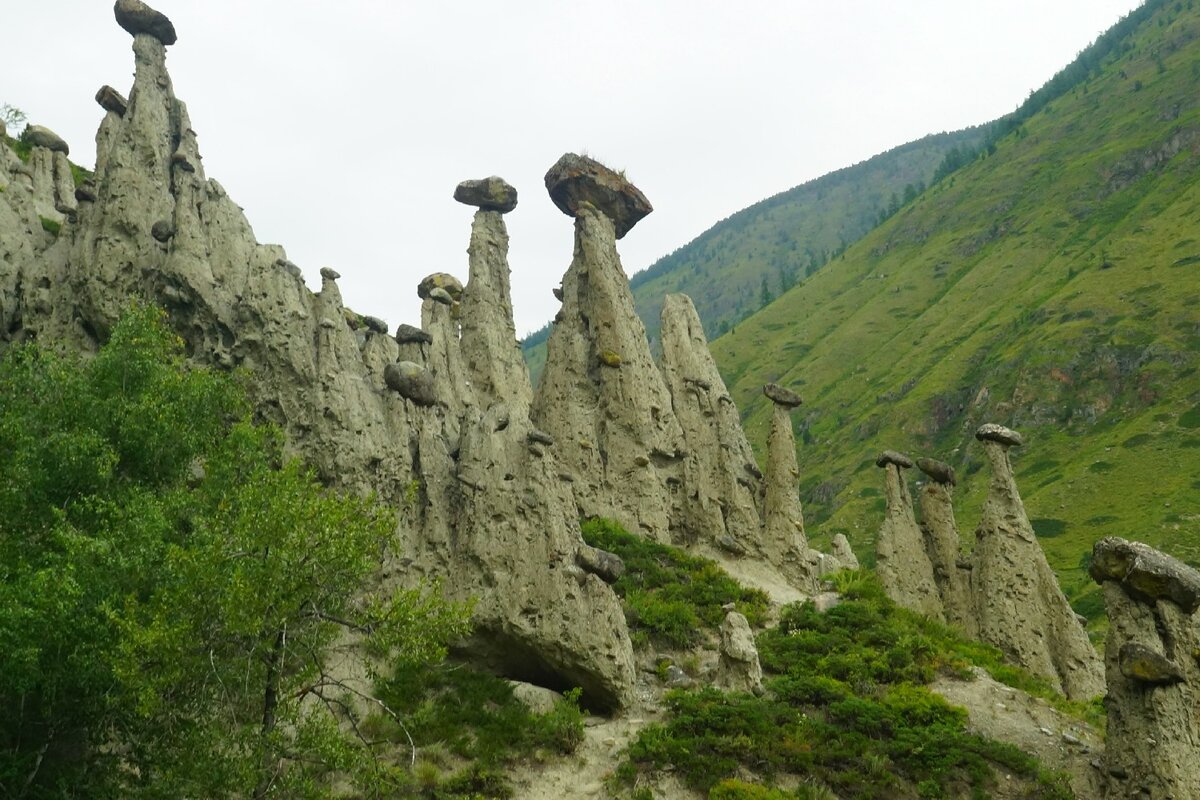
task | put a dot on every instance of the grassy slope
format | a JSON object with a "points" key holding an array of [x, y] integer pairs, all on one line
{"points": [[1053, 286], [779, 238]]}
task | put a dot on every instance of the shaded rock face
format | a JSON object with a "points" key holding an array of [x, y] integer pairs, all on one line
{"points": [[721, 496], [476, 507], [614, 426], [576, 181], [1152, 670], [1019, 605], [943, 544], [738, 668], [901, 557]]}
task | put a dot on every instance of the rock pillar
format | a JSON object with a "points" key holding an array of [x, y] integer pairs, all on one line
{"points": [[951, 571], [901, 560]]}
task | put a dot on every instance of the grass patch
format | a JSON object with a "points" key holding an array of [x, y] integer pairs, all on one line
{"points": [[1101, 466], [669, 596], [1047, 528], [50, 226], [1101, 519], [1190, 418], [846, 707], [1137, 440]]}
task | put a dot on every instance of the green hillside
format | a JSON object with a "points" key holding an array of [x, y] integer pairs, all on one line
{"points": [[1052, 285], [743, 262]]}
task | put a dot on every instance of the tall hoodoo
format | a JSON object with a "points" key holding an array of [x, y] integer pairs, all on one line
{"points": [[783, 518], [1019, 605], [601, 396], [1152, 664], [951, 571], [490, 351], [721, 481], [901, 558]]}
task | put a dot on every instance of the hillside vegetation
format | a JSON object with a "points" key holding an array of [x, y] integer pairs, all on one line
{"points": [[743, 262], [1051, 285]]}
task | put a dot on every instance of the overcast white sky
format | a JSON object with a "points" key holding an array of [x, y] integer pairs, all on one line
{"points": [[343, 127]]}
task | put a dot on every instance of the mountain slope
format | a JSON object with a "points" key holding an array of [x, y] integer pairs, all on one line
{"points": [[758, 253], [1053, 286]]}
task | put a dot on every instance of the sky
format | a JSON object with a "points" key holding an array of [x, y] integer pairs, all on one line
{"points": [[343, 127]]}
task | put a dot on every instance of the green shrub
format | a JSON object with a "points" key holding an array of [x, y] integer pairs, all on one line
{"points": [[1190, 418], [50, 226], [737, 790], [1048, 528]]}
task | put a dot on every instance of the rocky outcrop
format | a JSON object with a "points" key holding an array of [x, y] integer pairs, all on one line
{"points": [[112, 100], [721, 484], [738, 668], [951, 570], [901, 558], [1019, 605], [601, 396], [783, 518], [489, 194], [577, 181], [842, 551], [40, 136], [1152, 666]]}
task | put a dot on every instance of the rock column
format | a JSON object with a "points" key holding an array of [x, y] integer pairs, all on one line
{"points": [[951, 571], [901, 559], [1152, 665], [1019, 605], [783, 517]]}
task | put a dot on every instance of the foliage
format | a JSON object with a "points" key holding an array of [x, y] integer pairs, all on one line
{"points": [[670, 596], [846, 707], [50, 226], [11, 116], [475, 716], [172, 587]]}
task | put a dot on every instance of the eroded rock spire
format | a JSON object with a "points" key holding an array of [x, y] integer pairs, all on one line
{"points": [[951, 571], [901, 558], [783, 518]]}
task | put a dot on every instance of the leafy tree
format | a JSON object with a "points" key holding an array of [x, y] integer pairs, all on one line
{"points": [[11, 116], [181, 607]]}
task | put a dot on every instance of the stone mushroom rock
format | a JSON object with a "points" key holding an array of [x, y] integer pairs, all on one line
{"points": [[138, 18], [943, 544], [719, 500], [112, 100], [576, 180], [739, 669], [440, 280], [330, 274], [489, 194], [1019, 606], [901, 558], [1152, 666], [410, 334], [783, 536], [605, 420], [991, 432], [40, 136], [782, 396], [411, 381], [490, 351]]}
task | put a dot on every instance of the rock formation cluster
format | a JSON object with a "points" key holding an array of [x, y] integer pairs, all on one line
{"points": [[1006, 594]]}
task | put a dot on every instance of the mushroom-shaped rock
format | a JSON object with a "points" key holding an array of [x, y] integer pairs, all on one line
{"points": [[162, 230], [330, 274], [440, 280], [940, 471], [576, 179], [411, 381], [893, 457], [991, 432], [1145, 572], [40, 136], [490, 194], [375, 324], [781, 396], [607, 566], [112, 100], [137, 17], [739, 668], [409, 334]]}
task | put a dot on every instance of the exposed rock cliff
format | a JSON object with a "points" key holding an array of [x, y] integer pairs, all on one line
{"points": [[901, 557], [1152, 664], [1019, 605]]}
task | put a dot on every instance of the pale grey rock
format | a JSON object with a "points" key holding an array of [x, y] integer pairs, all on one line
{"points": [[40, 136], [1153, 673], [603, 419], [714, 505], [901, 558], [489, 194], [991, 432], [112, 100], [537, 699], [330, 274], [607, 566], [411, 381], [939, 471], [440, 280], [490, 351], [676, 678], [844, 554], [440, 295], [783, 536], [1019, 606], [782, 396], [824, 601], [738, 669], [944, 546], [138, 18], [577, 181]]}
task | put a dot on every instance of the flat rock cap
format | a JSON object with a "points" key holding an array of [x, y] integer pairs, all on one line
{"points": [[137, 17], [576, 179], [490, 194], [408, 334], [991, 432], [940, 471], [781, 396], [40, 136], [440, 280], [1145, 572], [893, 457]]}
